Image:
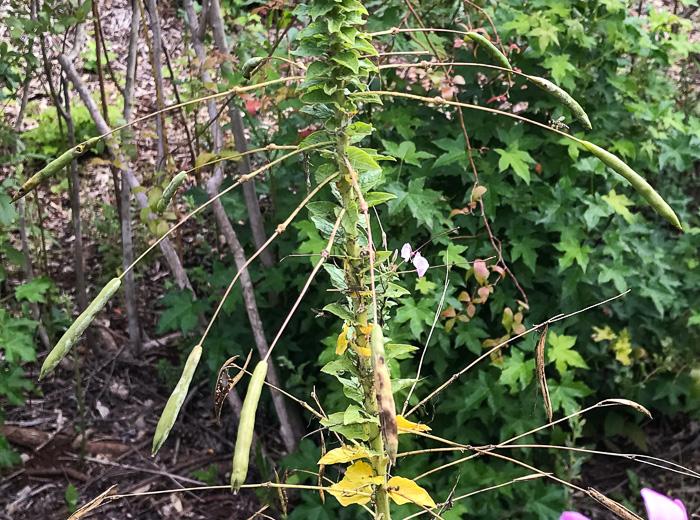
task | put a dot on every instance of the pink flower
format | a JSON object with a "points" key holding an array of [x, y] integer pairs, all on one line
{"points": [[659, 507], [420, 263], [406, 252]]}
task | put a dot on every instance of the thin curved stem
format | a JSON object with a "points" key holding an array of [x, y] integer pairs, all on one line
{"points": [[324, 256], [554, 319], [442, 101], [216, 197], [234, 90], [280, 229]]}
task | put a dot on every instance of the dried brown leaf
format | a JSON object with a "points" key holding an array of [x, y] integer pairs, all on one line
{"points": [[223, 389], [94, 503]]}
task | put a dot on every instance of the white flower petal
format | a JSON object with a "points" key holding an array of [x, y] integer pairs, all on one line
{"points": [[421, 264]]}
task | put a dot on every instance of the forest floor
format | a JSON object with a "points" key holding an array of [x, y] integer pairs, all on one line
{"points": [[124, 396]]}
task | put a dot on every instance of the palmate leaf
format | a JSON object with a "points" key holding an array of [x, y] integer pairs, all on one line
{"points": [[425, 205]]}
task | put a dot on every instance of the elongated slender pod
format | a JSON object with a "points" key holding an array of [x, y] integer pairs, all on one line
{"points": [[245, 427], [78, 327], [385, 398], [169, 192], [637, 181], [172, 407], [563, 96], [54, 167], [491, 49]]}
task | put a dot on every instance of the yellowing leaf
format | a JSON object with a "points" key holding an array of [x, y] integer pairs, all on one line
{"points": [[405, 491], [358, 477], [367, 329], [409, 427], [344, 454], [361, 350], [623, 348], [603, 334], [342, 343]]}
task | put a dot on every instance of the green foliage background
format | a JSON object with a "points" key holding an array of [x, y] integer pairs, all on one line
{"points": [[572, 232]]}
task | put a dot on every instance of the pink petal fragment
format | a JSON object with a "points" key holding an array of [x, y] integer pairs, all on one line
{"points": [[421, 264], [660, 507], [573, 515], [406, 252]]}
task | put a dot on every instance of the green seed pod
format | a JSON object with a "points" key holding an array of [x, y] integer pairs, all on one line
{"points": [[54, 167], [385, 398], [169, 192], [78, 327], [563, 96], [491, 49], [637, 182], [172, 407], [249, 66], [246, 426]]}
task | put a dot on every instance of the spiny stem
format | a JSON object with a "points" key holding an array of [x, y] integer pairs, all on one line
{"points": [[324, 256], [370, 243], [222, 193]]}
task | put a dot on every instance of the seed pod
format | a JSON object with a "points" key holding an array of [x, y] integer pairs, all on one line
{"points": [[249, 66], [169, 192], [491, 49], [54, 167], [617, 508], [78, 327], [563, 96], [385, 398], [246, 426], [172, 407], [637, 182]]}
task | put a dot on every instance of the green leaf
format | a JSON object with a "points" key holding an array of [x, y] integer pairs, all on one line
{"points": [[180, 313], [406, 152], [620, 203], [348, 59], [341, 311], [33, 291], [564, 394], [8, 213], [516, 373], [516, 159], [562, 354], [360, 160], [424, 204]]}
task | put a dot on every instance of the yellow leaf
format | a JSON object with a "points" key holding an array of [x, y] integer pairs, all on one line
{"points": [[623, 348], [405, 491], [344, 454], [603, 334], [358, 477], [342, 343], [361, 350], [409, 427], [367, 329]]}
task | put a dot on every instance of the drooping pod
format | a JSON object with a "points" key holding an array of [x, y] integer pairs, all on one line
{"points": [[246, 426], [78, 327], [491, 49], [385, 398], [637, 181], [54, 167], [172, 407], [249, 66], [563, 96], [169, 192]]}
